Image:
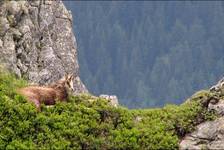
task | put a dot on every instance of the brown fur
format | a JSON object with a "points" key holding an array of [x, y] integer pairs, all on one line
{"points": [[48, 95]]}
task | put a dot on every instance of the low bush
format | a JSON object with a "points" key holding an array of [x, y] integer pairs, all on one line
{"points": [[85, 122]]}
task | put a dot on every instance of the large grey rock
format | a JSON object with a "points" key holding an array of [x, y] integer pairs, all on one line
{"points": [[37, 41], [208, 135], [218, 88], [218, 107]]}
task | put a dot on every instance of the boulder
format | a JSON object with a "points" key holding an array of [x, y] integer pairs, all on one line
{"points": [[208, 135], [111, 98]]}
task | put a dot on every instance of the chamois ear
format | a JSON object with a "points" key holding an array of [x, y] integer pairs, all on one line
{"points": [[73, 77], [65, 77], [70, 77]]}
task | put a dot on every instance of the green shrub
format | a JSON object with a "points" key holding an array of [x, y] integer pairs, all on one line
{"points": [[91, 123]]}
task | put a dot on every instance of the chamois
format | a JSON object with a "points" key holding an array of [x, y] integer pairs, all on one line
{"points": [[48, 95]]}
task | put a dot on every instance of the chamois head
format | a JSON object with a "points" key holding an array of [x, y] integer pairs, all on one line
{"points": [[65, 82], [68, 80]]}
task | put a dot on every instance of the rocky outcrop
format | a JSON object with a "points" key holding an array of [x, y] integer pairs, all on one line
{"points": [[111, 98], [210, 134], [218, 87], [37, 42]]}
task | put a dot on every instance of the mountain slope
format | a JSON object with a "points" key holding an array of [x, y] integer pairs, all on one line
{"points": [[86, 122]]}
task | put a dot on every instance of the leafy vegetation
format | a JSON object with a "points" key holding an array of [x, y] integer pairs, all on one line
{"points": [[86, 122], [162, 51]]}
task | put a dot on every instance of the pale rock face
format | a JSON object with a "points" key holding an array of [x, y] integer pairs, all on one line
{"points": [[218, 87], [208, 135], [1, 43], [37, 41], [111, 98], [218, 107]]}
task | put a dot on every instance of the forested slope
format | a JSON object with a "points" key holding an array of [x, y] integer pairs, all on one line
{"points": [[149, 53]]}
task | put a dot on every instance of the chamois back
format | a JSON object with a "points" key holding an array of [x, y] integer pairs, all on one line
{"points": [[48, 95]]}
